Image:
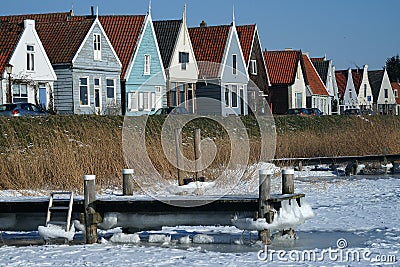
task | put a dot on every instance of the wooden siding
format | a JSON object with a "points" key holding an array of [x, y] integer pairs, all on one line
{"points": [[209, 90], [63, 99]]}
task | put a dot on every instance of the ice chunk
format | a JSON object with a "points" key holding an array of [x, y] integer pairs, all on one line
{"points": [[203, 239], [185, 240], [56, 232], [158, 238], [110, 221], [125, 238]]}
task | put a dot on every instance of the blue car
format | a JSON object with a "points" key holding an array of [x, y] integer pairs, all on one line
{"points": [[21, 109]]}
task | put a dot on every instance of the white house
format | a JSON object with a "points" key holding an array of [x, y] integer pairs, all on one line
{"points": [[384, 98], [363, 88], [347, 91], [32, 76]]}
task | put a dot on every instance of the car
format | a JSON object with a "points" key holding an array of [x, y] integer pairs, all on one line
{"points": [[171, 110], [352, 111], [315, 112], [367, 112], [22, 109], [298, 111]]}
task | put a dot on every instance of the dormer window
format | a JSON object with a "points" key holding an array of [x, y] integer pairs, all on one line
{"points": [[97, 46], [183, 59], [234, 64], [30, 57], [253, 67]]}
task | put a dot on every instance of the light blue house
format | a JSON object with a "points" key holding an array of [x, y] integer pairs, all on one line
{"points": [[143, 77]]}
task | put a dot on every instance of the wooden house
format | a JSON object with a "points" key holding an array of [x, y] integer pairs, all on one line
{"points": [[383, 94]]}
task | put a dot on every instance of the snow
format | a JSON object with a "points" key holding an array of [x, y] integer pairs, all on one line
{"points": [[125, 238], [56, 232]]}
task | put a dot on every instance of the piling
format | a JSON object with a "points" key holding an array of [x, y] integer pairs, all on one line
{"points": [[196, 147], [288, 181], [127, 182], [90, 210], [264, 207], [177, 133]]}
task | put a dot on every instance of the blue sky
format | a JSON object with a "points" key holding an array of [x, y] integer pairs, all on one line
{"points": [[352, 33]]}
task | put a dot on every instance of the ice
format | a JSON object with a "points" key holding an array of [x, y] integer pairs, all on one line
{"points": [[193, 188], [159, 238], [125, 238], [110, 221], [185, 240], [56, 232], [203, 239]]}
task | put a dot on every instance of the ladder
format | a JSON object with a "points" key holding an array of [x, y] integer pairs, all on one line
{"points": [[58, 205]]}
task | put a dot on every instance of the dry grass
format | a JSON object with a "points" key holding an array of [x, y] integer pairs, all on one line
{"points": [[55, 153]]}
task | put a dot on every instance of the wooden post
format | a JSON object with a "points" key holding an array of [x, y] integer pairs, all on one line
{"points": [[287, 181], [264, 208], [89, 201], [127, 182], [196, 146], [178, 155]]}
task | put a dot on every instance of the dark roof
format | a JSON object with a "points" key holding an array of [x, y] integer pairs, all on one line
{"points": [[341, 81], [322, 67], [209, 46], [313, 79], [123, 33], [246, 35], [9, 37], [375, 78], [282, 65], [62, 39], [357, 78], [167, 32]]}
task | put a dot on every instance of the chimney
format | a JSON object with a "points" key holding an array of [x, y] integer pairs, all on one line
{"points": [[203, 24], [92, 10], [29, 23]]}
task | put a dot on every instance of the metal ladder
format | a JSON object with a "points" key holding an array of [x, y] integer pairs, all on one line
{"points": [[57, 205]]}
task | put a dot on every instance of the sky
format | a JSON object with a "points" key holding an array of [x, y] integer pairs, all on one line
{"points": [[351, 33]]}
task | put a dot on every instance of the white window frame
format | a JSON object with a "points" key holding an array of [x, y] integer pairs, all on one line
{"points": [[227, 95], [97, 87], [253, 67], [88, 91], [114, 98], [386, 92], [232, 93], [133, 101], [147, 64], [182, 61], [20, 96], [152, 100], [97, 46], [30, 58], [396, 93], [234, 64]]}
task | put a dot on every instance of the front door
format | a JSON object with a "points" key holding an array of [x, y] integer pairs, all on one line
{"points": [[43, 97], [97, 95]]}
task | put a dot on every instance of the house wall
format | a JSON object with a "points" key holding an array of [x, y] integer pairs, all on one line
{"points": [[240, 79], [298, 86], [43, 74], [136, 80], [350, 95], [278, 99], [205, 92], [321, 102], [386, 105], [63, 90], [365, 99], [108, 67]]}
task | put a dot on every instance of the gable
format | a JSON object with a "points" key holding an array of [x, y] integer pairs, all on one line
{"points": [[246, 35], [146, 45], [167, 32]]}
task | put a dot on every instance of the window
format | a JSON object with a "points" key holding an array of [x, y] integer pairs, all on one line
{"points": [[350, 94], [30, 57], [183, 59], [181, 93], [234, 64], [153, 100], [133, 102], [365, 90], [253, 67], [97, 92], [227, 95], [84, 91], [386, 93], [97, 46], [146, 99], [146, 64], [396, 93], [234, 96], [173, 95], [110, 83], [299, 100], [20, 93]]}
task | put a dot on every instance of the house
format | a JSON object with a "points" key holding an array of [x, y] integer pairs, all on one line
{"points": [[326, 72], [288, 86], [223, 77], [396, 90], [347, 93], [256, 68], [179, 62], [317, 94], [143, 78], [363, 88], [383, 94], [32, 77], [86, 64]]}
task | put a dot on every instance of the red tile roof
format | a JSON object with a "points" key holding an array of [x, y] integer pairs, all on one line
{"points": [[246, 35], [313, 79], [62, 16], [318, 59], [396, 86], [357, 78], [209, 46], [9, 37], [62, 39], [123, 33], [341, 81], [282, 66]]}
